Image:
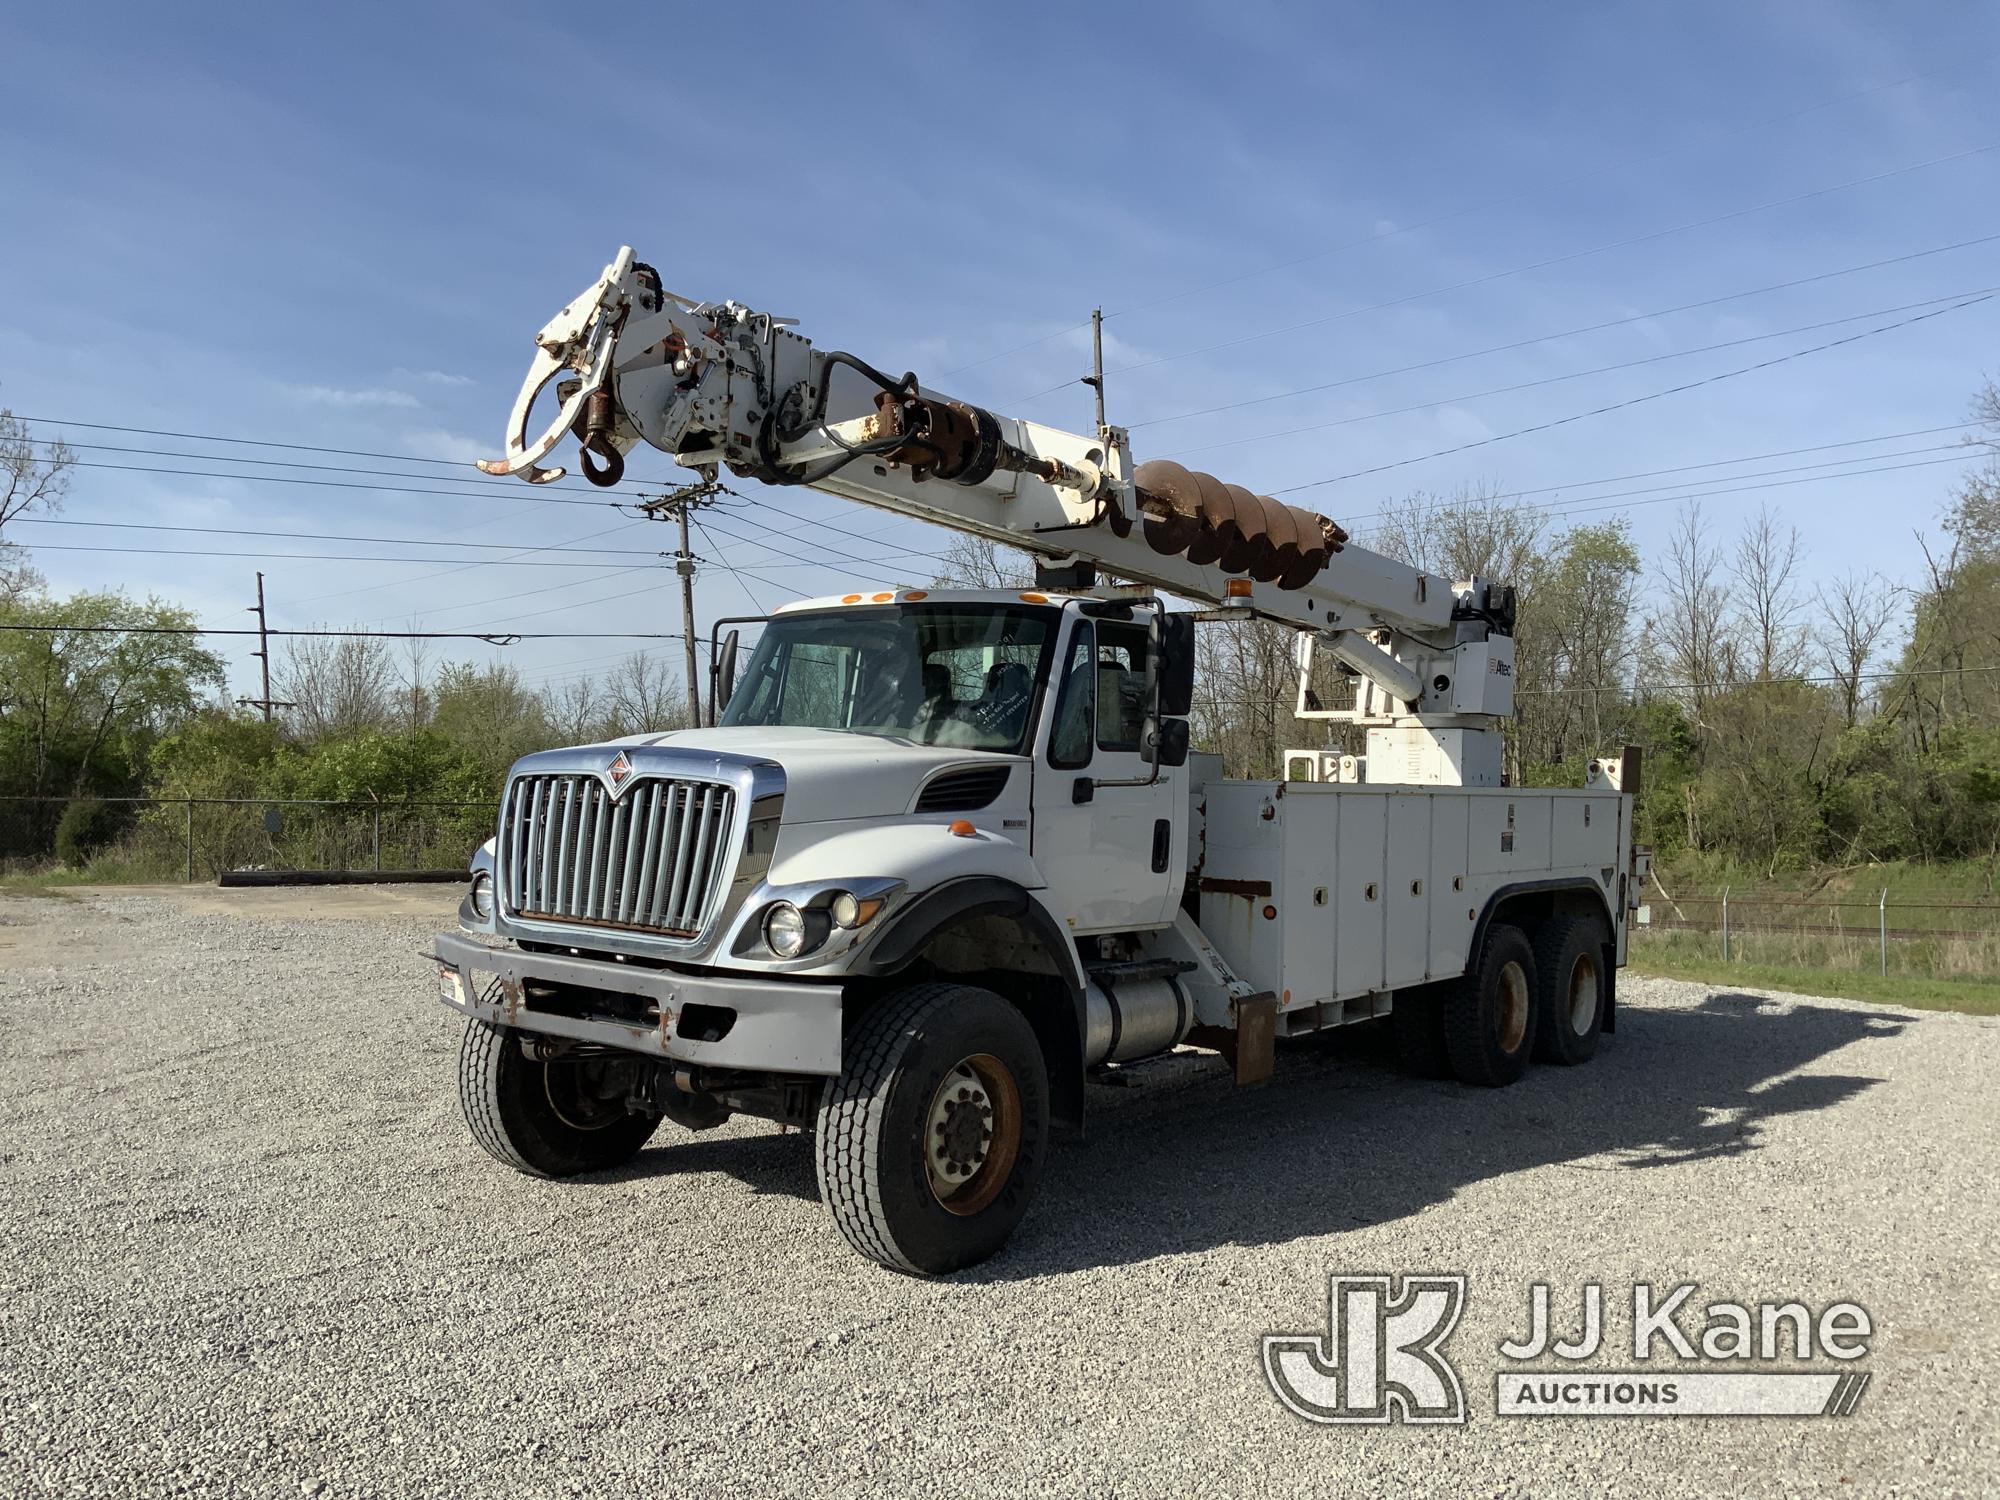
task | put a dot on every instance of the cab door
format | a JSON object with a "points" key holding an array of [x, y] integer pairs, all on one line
{"points": [[1114, 855]]}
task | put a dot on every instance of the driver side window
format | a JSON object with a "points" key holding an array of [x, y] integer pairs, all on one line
{"points": [[1076, 703]]}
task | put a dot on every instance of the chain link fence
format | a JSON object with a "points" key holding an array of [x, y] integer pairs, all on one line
{"points": [[122, 839], [1853, 931]]}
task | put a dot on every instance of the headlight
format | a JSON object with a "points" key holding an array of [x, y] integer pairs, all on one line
{"points": [[785, 930], [482, 895]]}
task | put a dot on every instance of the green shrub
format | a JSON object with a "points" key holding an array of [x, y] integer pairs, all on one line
{"points": [[86, 827]]}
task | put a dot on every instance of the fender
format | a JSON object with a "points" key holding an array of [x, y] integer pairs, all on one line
{"points": [[1550, 886], [973, 896]]}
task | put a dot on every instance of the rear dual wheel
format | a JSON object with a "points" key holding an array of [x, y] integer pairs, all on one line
{"points": [[1569, 962], [1491, 1015]]}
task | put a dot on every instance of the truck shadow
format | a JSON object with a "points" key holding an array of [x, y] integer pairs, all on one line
{"points": [[1341, 1138]]}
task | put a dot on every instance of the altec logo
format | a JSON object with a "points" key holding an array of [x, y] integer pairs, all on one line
{"points": [[1382, 1359]]}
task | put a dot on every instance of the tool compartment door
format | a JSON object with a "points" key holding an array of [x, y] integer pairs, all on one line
{"points": [[1358, 892], [1406, 889]]}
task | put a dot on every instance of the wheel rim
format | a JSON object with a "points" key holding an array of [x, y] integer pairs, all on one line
{"points": [[586, 1093], [1510, 1016], [972, 1134], [1582, 994]]}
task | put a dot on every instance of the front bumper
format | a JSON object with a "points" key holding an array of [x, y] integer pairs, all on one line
{"points": [[772, 1025]]}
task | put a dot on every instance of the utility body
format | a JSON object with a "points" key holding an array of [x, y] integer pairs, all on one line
{"points": [[941, 854]]}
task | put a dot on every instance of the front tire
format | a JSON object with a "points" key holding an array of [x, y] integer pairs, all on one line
{"points": [[553, 1118], [930, 1142], [1490, 1016]]}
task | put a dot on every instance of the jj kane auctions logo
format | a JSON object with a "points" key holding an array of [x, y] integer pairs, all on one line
{"points": [[1382, 1358]]}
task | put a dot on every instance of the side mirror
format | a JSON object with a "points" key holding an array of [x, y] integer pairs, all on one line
{"points": [[722, 687], [1176, 647], [1164, 742]]}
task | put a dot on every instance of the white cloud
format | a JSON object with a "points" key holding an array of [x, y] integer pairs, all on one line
{"points": [[454, 447], [328, 395], [435, 377]]}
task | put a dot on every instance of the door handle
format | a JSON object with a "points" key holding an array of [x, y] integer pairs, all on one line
{"points": [[1163, 844]]}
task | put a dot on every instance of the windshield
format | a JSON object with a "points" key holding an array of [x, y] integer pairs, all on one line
{"points": [[964, 675]]}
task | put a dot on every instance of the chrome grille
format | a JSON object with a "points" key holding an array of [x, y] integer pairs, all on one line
{"points": [[650, 860]]}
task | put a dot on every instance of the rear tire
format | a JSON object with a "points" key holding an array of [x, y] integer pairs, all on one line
{"points": [[1570, 989], [1416, 1016], [931, 1140], [1490, 1015], [548, 1119]]}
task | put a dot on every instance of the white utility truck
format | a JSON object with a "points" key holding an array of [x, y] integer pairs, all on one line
{"points": [[943, 854]]}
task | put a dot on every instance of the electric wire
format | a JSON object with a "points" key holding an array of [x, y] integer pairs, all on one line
{"points": [[1490, 277], [1598, 411], [1497, 202]]}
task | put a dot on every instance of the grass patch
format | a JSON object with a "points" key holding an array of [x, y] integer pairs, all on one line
{"points": [[106, 869], [1976, 997]]}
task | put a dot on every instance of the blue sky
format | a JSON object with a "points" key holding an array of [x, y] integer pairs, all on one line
{"points": [[341, 226]]}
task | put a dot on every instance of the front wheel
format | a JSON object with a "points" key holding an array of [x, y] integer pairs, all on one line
{"points": [[930, 1142], [552, 1118]]}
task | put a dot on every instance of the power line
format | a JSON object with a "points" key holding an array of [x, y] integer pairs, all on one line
{"points": [[209, 437], [499, 562], [1640, 690], [742, 575], [1431, 364], [315, 536], [490, 637], [553, 588], [1589, 504], [1461, 211], [1716, 463], [1539, 265], [332, 484], [1599, 411], [1629, 364]]}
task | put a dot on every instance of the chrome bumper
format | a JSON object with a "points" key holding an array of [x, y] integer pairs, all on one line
{"points": [[779, 1026]]}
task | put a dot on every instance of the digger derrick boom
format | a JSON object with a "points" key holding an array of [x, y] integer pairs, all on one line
{"points": [[718, 386]]}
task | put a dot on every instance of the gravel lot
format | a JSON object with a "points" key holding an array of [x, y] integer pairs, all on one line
{"points": [[247, 1247]]}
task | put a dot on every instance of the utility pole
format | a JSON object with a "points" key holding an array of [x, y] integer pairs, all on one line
{"points": [[684, 565], [263, 655], [1095, 379], [678, 504]]}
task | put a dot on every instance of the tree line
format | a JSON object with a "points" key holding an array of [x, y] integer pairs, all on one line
{"points": [[1785, 723]]}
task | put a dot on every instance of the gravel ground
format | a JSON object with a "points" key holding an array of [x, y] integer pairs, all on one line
{"points": [[246, 1247]]}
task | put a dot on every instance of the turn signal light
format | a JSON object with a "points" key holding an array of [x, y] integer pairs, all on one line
{"points": [[963, 829]]}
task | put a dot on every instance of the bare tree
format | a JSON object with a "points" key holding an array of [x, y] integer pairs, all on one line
{"points": [[336, 686], [1856, 609], [576, 711], [1244, 685], [973, 562], [1766, 574], [644, 696], [1689, 634], [29, 483], [1470, 533], [417, 701]]}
